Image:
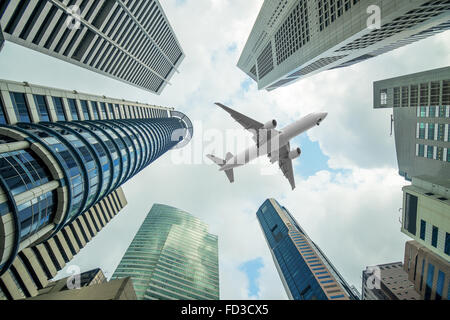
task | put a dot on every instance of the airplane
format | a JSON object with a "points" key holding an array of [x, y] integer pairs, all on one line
{"points": [[269, 141]]}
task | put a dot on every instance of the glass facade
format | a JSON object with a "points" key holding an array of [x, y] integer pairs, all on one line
{"points": [[95, 158], [306, 272], [172, 257]]}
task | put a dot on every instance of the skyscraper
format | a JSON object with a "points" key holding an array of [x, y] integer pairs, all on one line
{"points": [[293, 39], [429, 272], [172, 257], [51, 173], [131, 41], [305, 271], [393, 283], [421, 106], [35, 266]]}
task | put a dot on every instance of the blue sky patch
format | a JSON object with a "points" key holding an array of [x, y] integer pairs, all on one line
{"points": [[252, 270]]}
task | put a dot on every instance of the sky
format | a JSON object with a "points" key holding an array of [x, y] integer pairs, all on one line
{"points": [[348, 194]]}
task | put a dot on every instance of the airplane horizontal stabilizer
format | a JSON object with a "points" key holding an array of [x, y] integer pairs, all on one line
{"points": [[221, 163]]}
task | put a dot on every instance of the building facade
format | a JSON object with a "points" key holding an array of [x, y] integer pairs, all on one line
{"points": [[294, 39], [53, 168], [387, 282], [421, 106], [172, 257], [305, 271], [35, 266], [429, 272], [92, 286], [131, 41]]}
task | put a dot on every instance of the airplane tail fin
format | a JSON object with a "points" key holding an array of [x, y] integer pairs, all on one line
{"points": [[221, 163]]}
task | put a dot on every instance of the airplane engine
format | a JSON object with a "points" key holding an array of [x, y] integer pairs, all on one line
{"points": [[271, 125], [294, 154]]}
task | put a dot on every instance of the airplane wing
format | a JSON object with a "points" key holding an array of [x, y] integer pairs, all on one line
{"points": [[286, 164], [246, 122]]}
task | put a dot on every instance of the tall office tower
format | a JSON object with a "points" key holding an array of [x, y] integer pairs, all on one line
{"points": [[421, 105], [131, 41], [172, 257], [429, 272], [34, 267], [293, 39], [53, 172], [305, 271], [387, 282], [92, 286]]}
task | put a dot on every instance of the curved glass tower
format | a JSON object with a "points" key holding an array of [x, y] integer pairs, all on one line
{"points": [[51, 172]]}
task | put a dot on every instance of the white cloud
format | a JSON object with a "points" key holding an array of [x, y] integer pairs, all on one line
{"points": [[353, 217]]}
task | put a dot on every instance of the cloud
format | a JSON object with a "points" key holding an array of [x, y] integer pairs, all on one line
{"points": [[351, 214]]}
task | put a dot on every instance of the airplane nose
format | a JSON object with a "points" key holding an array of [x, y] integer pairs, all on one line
{"points": [[324, 115]]}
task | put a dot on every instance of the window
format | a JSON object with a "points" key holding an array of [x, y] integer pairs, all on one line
{"points": [[410, 213], [431, 127], [422, 131], [447, 244], [111, 111], [434, 236], [423, 226], [430, 152], [432, 113], [42, 107], [95, 110], [383, 97], [421, 150], [59, 109], [73, 109], [20, 107], [423, 112], [2, 112], [85, 109], [103, 110], [429, 283], [440, 285]]}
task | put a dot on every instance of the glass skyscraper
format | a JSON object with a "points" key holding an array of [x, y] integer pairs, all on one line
{"points": [[53, 172], [305, 271], [172, 257]]}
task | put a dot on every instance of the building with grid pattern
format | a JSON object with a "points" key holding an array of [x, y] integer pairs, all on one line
{"points": [[172, 257], [429, 272], [293, 39], [393, 281], [127, 40], [62, 154], [305, 271], [421, 106], [35, 266]]}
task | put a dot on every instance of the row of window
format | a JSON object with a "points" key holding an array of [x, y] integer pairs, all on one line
{"points": [[89, 110], [430, 280], [433, 131], [433, 112], [434, 236], [433, 152]]}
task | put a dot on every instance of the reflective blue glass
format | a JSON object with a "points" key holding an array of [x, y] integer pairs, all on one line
{"points": [[20, 107], [95, 110], [42, 107], [2, 112], [85, 109], [440, 285], [73, 109], [59, 108]]}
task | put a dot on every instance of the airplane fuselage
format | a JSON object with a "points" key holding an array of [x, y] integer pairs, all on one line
{"points": [[274, 141]]}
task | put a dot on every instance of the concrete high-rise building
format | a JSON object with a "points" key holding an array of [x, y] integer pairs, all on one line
{"points": [[131, 41], [293, 39], [172, 257], [55, 173], [305, 271], [92, 286], [392, 280], [429, 272], [421, 106]]}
